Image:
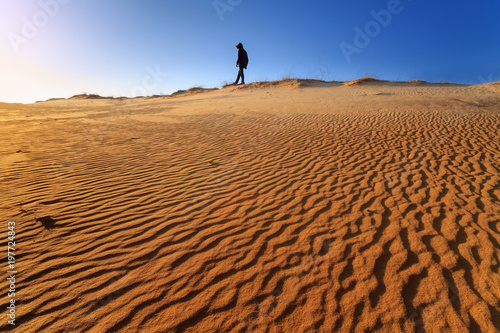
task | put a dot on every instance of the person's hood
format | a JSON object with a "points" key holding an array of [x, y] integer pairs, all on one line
{"points": [[240, 46]]}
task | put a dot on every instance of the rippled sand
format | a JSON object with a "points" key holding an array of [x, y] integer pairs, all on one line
{"points": [[295, 206]]}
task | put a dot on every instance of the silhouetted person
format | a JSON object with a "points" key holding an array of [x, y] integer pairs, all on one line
{"points": [[242, 63]]}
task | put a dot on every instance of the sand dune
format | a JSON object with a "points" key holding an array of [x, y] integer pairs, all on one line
{"points": [[299, 206]]}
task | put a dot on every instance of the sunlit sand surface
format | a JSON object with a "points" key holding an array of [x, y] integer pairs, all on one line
{"points": [[292, 206]]}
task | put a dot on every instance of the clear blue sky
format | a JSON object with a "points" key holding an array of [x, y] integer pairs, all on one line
{"points": [[108, 47]]}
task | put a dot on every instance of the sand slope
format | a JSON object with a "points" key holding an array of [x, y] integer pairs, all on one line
{"points": [[313, 207]]}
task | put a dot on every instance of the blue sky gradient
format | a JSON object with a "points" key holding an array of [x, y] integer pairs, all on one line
{"points": [[111, 47]]}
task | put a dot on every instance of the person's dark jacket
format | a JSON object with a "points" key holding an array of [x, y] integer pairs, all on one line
{"points": [[242, 57]]}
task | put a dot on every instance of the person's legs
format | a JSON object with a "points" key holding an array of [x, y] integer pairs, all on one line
{"points": [[242, 75], [238, 78]]}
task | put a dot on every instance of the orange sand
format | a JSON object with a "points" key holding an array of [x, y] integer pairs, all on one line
{"points": [[293, 206]]}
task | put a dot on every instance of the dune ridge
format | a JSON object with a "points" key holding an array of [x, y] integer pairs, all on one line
{"points": [[289, 83], [322, 209]]}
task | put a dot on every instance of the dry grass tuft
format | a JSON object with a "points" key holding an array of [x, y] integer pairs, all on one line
{"points": [[360, 81], [87, 96], [284, 83]]}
